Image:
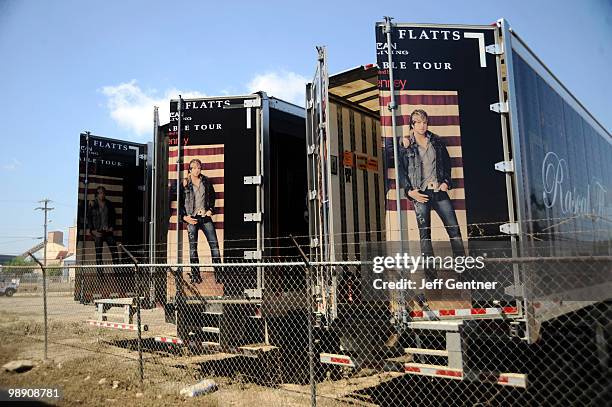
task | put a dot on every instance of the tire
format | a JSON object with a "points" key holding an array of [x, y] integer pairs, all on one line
{"points": [[9, 292]]}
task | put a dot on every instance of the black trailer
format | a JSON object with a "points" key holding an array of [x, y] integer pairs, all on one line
{"points": [[251, 150], [119, 170]]}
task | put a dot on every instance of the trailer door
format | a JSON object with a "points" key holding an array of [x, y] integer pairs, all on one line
{"points": [[319, 166], [451, 75], [224, 133]]}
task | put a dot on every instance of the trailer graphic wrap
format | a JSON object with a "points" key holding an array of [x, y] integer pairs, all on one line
{"points": [[347, 202], [442, 110], [212, 159], [112, 173], [354, 189], [214, 132], [447, 77]]}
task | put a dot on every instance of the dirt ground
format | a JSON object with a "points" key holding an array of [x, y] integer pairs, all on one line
{"points": [[80, 356]]}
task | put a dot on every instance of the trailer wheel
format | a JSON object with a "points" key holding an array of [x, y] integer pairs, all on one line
{"points": [[9, 292]]}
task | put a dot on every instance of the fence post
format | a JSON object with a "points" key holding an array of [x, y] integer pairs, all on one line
{"points": [[138, 321], [313, 384], [44, 273]]}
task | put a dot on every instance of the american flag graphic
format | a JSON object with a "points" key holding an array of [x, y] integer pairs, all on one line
{"points": [[213, 160], [114, 194], [442, 108], [115, 284]]}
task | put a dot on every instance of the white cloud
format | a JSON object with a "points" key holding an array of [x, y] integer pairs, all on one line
{"points": [[285, 85], [12, 165], [132, 107]]}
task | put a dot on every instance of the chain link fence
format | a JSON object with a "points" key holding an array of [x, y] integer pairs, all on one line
{"points": [[278, 332]]}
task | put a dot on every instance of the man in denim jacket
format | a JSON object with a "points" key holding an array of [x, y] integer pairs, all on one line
{"points": [[425, 175], [197, 211]]}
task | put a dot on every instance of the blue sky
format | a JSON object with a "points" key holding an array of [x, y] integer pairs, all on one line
{"points": [[70, 66]]}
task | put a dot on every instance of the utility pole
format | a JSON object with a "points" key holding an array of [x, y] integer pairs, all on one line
{"points": [[46, 209]]}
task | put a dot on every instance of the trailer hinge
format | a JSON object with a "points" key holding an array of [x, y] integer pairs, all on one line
{"points": [[494, 49], [252, 103], [511, 228], [322, 126], [505, 166], [252, 255], [392, 106], [500, 107], [314, 242], [311, 149], [143, 157], [252, 180], [310, 104], [312, 195], [252, 217], [142, 188]]}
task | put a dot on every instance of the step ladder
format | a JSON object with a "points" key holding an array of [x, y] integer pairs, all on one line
{"points": [[438, 352], [428, 332], [452, 366], [211, 331], [220, 323]]}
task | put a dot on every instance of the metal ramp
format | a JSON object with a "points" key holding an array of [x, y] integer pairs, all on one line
{"points": [[122, 320], [438, 351], [447, 361], [221, 324]]}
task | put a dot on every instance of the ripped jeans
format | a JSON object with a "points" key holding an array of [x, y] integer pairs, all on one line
{"points": [[441, 203]]}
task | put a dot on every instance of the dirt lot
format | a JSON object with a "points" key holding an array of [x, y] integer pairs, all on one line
{"points": [[79, 357]]}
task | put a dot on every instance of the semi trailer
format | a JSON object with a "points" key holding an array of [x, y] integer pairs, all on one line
{"points": [[251, 150], [528, 187], [114, 176]]}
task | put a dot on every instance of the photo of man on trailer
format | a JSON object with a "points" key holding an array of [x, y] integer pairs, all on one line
{"points": [[425, 176], [197, 210], [112, 207]]}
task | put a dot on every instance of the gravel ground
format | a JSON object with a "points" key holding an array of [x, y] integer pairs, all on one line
{"points": [[80, 357]]}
